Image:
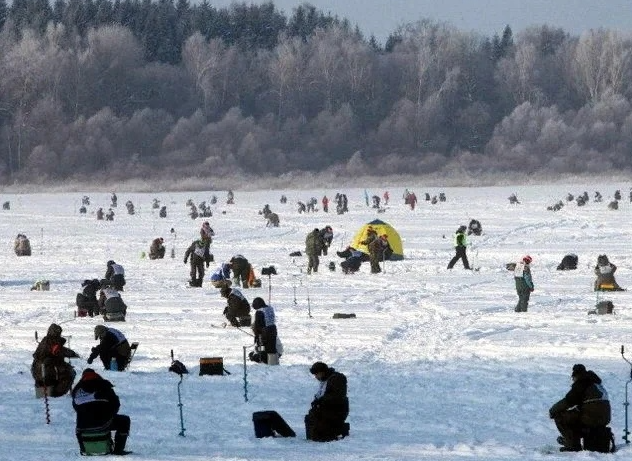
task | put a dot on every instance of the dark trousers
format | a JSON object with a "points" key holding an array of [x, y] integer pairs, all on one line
{"points": [[460, 254], [197, 271], [269, 339], [120, 425], [241, 271], [312, 262], [118, 281], [320, 427], [121, 360], [570, 427], [523, 299], [375, 259]]}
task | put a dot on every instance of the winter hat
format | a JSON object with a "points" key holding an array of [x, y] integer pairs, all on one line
{"points": [[99, 331], [225, 291], [578, 369], [258, 303], [89, 373], [527, 259], [318, 367], [54, 330]]}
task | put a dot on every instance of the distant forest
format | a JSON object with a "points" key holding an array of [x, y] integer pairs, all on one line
{"points": [[113, 90]]}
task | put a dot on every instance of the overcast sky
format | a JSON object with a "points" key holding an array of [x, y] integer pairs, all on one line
{"points": [[381, 17]]}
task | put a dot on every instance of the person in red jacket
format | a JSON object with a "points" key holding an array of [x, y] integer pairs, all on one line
{"points": [[325, 202]]}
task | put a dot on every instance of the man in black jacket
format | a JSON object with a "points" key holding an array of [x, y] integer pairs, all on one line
{"points": [[237, 311], [97, 406], [200, 255], [112, 345], [326, 419], [87, 302], [115, 273], [586, 405], [265, 330]]}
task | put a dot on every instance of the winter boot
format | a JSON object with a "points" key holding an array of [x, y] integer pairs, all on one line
{"points": [[571, 448], [119, 444]]}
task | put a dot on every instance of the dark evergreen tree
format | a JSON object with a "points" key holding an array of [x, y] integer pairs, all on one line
{"points": [[104, 13], [59, 6], [374, 44], [502, 46], [392, 41], [4, 13]]}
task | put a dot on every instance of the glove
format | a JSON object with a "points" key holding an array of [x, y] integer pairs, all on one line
{"points": [[531, 289], [185, 261], [90, 359]]}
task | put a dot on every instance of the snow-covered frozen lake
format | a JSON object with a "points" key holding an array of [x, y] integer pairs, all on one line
{"points": [[439, 365]]}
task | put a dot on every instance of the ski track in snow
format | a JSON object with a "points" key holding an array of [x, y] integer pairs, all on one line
{"points": [[439, 365]]}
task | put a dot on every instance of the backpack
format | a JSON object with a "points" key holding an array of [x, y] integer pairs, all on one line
{"points": [[604, 307]]}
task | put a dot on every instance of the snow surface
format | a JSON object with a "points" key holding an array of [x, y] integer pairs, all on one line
{"points": [[439, 365]]}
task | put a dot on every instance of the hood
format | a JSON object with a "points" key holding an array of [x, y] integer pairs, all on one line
{"points": [[54, 330]]}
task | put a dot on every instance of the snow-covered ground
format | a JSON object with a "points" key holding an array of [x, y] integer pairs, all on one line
{"points": [[439, 365]]}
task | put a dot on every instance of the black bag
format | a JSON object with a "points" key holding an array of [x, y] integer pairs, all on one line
{"points": [[600, 439], [271, 424], [178, 368], [605, 307], [569, 262]]}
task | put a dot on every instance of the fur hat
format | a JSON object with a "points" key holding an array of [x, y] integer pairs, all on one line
{"points": [[99, 331], [258, 303], [54, 330], [578, 369]]}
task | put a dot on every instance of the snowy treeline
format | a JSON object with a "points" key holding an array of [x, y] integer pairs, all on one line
{"points": [[141, 89]]}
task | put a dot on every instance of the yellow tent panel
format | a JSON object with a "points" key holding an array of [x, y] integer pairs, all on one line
{"points": [[381, 228]]}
